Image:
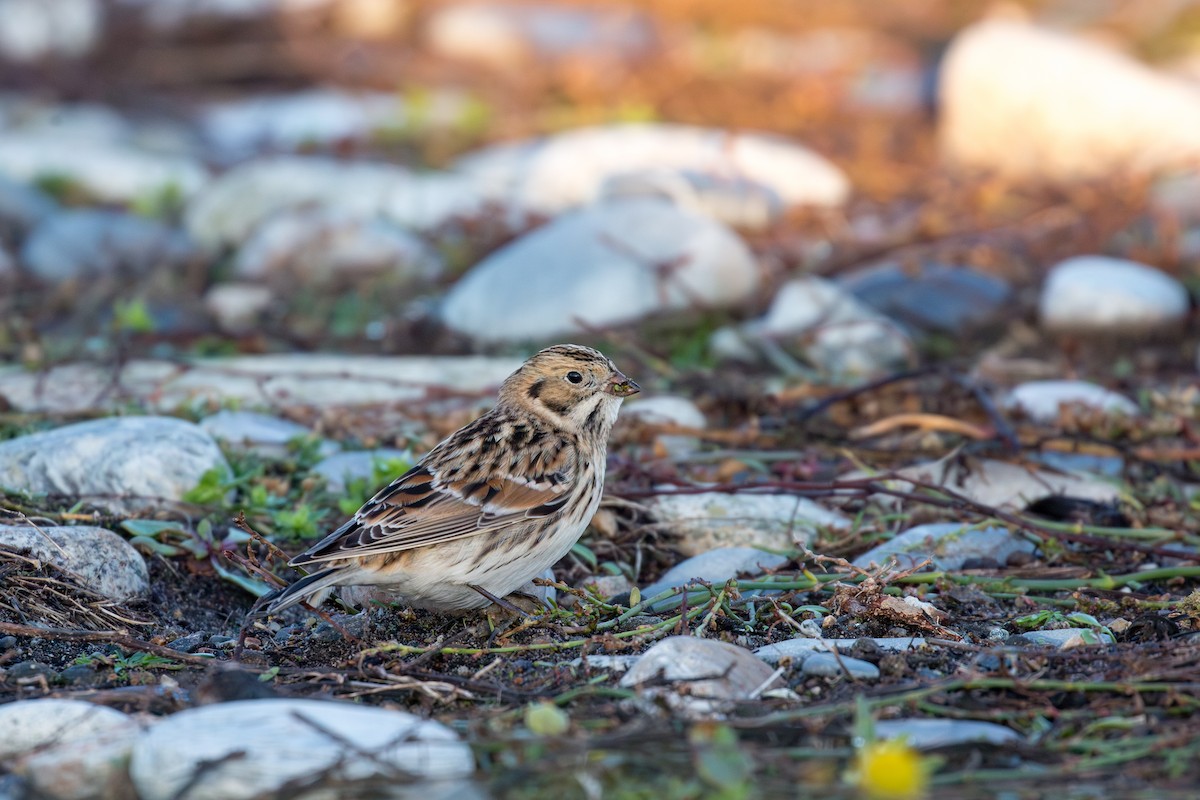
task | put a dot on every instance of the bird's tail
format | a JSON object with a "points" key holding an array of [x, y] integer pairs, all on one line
{"points": [[316, 583]]}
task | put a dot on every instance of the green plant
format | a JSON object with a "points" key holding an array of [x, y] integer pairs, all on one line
{"points": [[121, 663]]}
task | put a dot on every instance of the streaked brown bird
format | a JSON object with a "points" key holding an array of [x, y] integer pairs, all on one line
{"points": [[493, 505]]}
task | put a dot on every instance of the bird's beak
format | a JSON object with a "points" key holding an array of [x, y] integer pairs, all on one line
{"points": [[620, 386]]}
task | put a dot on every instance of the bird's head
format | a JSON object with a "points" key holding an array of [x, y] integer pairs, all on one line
{"points": [[572, 386]]}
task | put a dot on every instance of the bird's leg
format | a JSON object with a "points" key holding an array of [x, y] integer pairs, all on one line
{"points": [[500, 601]]}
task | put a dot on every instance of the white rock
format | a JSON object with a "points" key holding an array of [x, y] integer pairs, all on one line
{"points": [[432, 200], [997, 483], [1035, 104], [31, 30], [600, 267], [702, 522], [1042, 400], [92, 243], [716, 566], [928, 734], [506, 35], [711, 675], [258, 433], [1098, 294], [548, 175], [119, 463], [241, 199], [288, 121], [83, 122], [801, 649], [110, 171], [829, 665], [30, 725], [92, 767], [237, 202], [285, 743], [317, 244], [734, 200], [238, 307], [948, 545], [104, 561], [605, 662], [340, 469], [280, 380], [665, 409], [835, 332]]}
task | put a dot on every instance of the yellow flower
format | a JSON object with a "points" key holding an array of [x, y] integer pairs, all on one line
{"points": [[890, 770]]}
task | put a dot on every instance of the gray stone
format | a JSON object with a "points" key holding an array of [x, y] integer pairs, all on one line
{"points": [[103, 561], [800, 649], [996, 483], [341, 469], [73, 750], [1111, 297], [716, 566], [90, 243], [830, 329], [288, 379], [702, 522], [931, 297], [189, 643], [120, 463], [318, 244], [1031, 103], [948, 545], [598, 267], [30, 725], [549, 175], [828, 665], [710, 675], [22, 207], [32, 668], [928, 734], [81, 675], [263, 434], [1041, 400], [287, 742]]}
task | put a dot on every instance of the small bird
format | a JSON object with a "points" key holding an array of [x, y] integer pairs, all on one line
{"points": [[493, 505]]}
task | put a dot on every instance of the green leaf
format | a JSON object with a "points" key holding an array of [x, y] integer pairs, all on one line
{"points": [[148, 545], [585, 554], [252, 585], [149, 528]]}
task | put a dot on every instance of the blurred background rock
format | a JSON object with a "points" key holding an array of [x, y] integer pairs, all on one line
{"points": [[183, 178]]}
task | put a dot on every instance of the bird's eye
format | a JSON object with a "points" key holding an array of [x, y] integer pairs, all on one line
{"points": [[574, 377]]}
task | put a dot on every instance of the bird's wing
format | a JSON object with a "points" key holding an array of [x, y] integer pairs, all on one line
{"points": [[422, 508]]}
